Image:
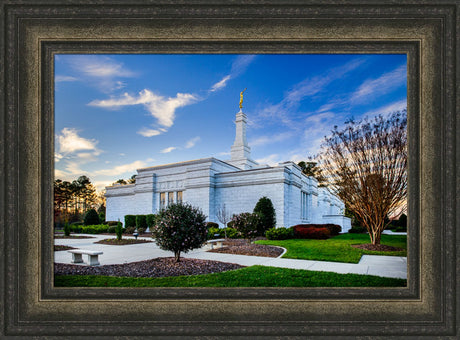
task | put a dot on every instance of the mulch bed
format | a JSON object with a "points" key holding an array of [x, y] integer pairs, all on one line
{"points": [[159, 267], [122, 242], [376, 247], [71, 237], [59, 248], [242, 247]]}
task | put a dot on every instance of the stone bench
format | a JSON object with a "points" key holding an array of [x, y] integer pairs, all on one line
{"points": [[219, 243], [92, 256]]}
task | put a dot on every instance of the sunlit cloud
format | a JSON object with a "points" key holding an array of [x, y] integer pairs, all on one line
{"points": [[151, 132], [221, 84], [239, 66], [191, 143], [271, 160], [61, 78], [264, 140], [121, 169], [69, 141], [168, 150], [162, 108]]}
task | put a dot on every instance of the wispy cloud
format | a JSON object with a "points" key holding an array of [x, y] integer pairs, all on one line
{"points": [[239, 66], [286, 110], [151, 132], [384, 84], [62, 78], [271, 160], [387, 109], [264, 140], [100, 71], [169, 149], [160, 107], [191, 143], [121, 169]]}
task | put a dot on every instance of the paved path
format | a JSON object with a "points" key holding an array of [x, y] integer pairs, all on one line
{"points": [[386, 266]]}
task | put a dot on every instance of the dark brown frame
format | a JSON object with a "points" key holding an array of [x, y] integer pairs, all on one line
{"points": [[33, 31]]}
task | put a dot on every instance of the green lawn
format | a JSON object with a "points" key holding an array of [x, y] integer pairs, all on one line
{"points": [[254, 276], [338, 248]]}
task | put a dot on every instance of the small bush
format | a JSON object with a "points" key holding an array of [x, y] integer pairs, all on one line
{"points": [[180, 228], [279, 233], [231, 233], [357, 230], [247, 224], [119, 231], [150, 219], [130, 221], [212, 225], [66, 229], [129, 230], [102, 217], [111, 223], [91, 217], [141, 222], [141, 230], [214, 231], [334, 229], [112, 229], [267, 215], [318, 233]]}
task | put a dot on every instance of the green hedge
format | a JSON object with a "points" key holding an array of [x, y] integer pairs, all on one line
{"points": [[141, 222], [279, 233], [130, 221], [90, 229]]}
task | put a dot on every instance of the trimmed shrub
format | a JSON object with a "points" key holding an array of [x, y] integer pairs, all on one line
{"points": [[66, 229], [212, 225], [318, 233], [141, 222], [212, 231], [91, 217], [119, 231], [130, 221], [90, 229], [357, 230], [180, 228], [232, 233], [334, 229], [246, 224], [150, 219], [279, 233], [112, 223], [268, 216]]}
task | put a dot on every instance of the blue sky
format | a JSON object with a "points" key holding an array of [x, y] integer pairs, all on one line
{"points": [[117, 113]]}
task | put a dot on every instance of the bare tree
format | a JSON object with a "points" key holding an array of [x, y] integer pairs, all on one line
{"points": [[365, 165], [224, 217]]}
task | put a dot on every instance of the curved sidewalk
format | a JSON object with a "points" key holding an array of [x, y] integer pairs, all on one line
{"points": [[385, 266]]}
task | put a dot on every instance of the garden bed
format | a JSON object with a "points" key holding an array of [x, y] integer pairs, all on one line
{"points": [[159, 267], [61, 248], [122, 242], [242, 247]]}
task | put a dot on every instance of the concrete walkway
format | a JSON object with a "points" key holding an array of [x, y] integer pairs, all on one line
{"points": [[385, 266]]}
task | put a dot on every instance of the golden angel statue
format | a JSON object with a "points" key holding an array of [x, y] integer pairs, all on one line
{"points": [[241, 98]]}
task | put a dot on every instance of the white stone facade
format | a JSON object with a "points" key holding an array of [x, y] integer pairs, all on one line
{"points": [[238, 183]]}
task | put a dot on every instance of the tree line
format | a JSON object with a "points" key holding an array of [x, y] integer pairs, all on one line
{"points": [[73, 199]]}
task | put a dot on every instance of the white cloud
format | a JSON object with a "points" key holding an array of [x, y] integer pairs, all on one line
{"points": [[121, 169], [151, 132], [381, 85], [271, 160], [69, 142], [191, 143], [167, 150], [264, 140], [163, 109], [239, 66], [221, 84], [60, 78]]}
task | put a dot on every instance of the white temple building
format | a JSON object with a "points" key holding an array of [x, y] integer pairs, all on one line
{"points": [[239, 183]]}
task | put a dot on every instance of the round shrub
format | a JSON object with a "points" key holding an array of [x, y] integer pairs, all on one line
{"points": [[180, 228], [141, 222], [212, 225], [246, 224], [91, 217], [268, 216], [130, 221], [231, 233], [319, 233], [279, 233], [213, 231]]}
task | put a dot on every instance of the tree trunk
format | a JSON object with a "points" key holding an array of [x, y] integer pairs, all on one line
{"points": [[177, 256]]}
